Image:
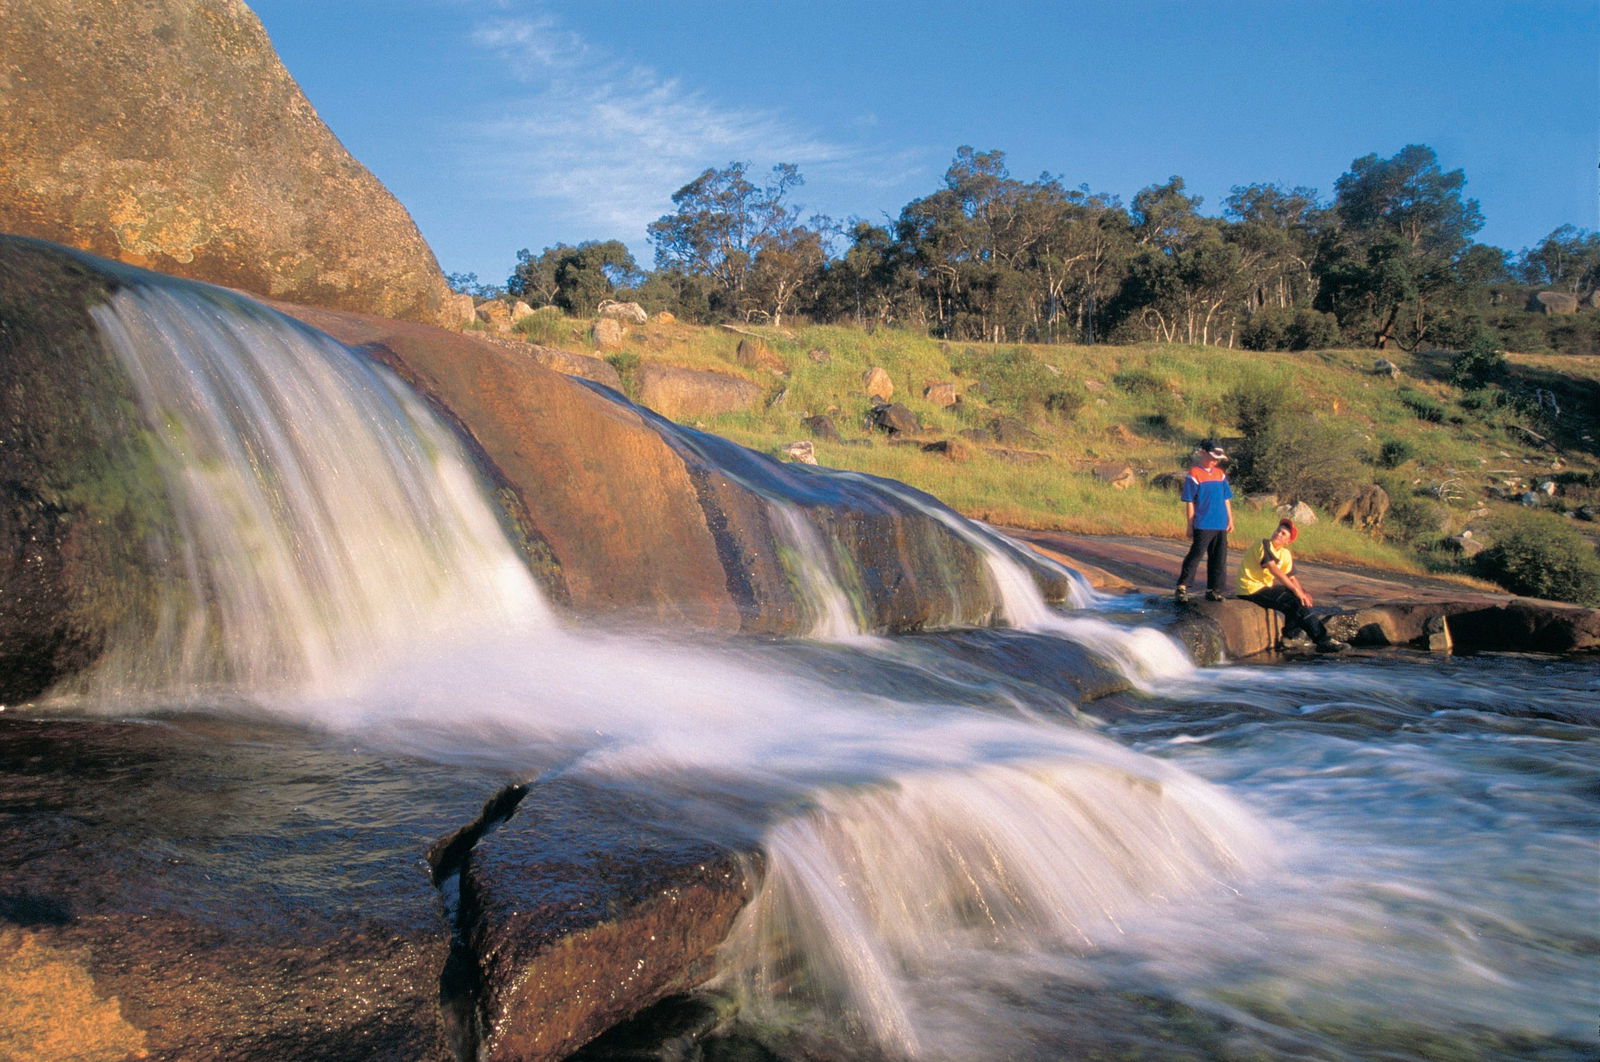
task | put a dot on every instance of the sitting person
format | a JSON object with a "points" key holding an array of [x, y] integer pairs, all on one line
{"points": [[1267, 578]]}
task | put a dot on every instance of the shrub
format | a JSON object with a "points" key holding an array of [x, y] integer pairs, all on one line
{"points": [[1288, 450], [1538, 555], [545, 326], [1414, 517], [1422, 406], [1481, 364], [1282, 328], [1312, 330], [1267, 329], [1394, 453]]}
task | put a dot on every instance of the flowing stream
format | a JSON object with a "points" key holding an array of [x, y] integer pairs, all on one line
{"points": [[1358, 859]]}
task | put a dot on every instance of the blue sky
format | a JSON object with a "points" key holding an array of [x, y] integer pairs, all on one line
{"points": [[508, 124]]}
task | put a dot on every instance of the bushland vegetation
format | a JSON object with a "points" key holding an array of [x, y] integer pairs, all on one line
{"points": [[1390, 262], [1041, 431]]}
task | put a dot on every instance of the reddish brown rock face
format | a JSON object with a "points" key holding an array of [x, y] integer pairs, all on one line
{"points": [[168, 135]]}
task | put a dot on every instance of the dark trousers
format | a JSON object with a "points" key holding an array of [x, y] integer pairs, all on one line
{"points": [[1214, 546], [1296, 617]]}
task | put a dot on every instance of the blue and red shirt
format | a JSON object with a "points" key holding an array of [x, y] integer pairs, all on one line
{"points": [[1209, 490]]}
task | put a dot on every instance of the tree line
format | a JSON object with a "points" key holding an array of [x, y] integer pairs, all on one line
{"points": [[1390, 261]]}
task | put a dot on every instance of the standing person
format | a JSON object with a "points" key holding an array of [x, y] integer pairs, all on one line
{"points": [[1267, 578], [1208, 507]]}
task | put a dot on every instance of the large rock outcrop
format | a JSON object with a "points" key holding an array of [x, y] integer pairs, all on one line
{"points": [[168, 134], [622, 513]]}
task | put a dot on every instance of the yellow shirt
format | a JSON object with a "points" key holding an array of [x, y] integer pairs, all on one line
{"points": [[1253, 574]]}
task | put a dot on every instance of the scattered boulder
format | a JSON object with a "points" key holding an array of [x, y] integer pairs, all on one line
{"points": [[1553, 303], [1120, 477], [1466, 545], [168, 135], [1385, 367], [876, 383], [626, 312], [1256, 502], [755, 354], [609, 333], [1172, 481], [581, 908], [957, 450], [804, 451], [459, 310], [520, 310], [895, 419], [678, 394], [1009, 431], [665, 317], [821, 427], [1365, 509], [819, 355], [495, 315], [1299, 512], [581, 365], [941, 394]]}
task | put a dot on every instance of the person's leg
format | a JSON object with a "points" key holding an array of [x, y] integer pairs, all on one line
{"points": [[1191, 561], [1216, 563], [1282, 599]]}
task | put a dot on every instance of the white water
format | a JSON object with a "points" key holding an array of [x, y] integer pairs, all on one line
{"points": [[947, 869], [327, 522], [1145, 655]]}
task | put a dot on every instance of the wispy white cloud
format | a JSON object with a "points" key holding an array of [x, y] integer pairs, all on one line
{"points": [[606, 143]]}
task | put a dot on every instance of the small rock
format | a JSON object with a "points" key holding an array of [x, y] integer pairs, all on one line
{"points": [[609, 333], [875, 381], [1299, 512], [803, 451], [821, 427], [1119, 476], [627, 312]]}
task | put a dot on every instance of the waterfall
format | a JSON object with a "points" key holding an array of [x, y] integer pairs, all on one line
{"points": [[336, 559], [1144, 655], [878, 892], [326, 520]]}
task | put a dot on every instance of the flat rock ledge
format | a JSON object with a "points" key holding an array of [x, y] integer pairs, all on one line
{"points": [[1233, 629], [579, 908]]}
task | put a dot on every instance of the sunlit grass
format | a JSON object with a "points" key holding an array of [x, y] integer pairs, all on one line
{"points": [[1142, 406]]}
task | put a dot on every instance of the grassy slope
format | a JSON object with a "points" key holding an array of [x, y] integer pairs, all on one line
{"points": [[1145, 406]]}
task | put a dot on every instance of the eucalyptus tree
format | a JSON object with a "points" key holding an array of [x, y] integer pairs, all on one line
{"points": [[1566, 260], [1278, 231], [577, 279], [723, 226], [1391, 267]]}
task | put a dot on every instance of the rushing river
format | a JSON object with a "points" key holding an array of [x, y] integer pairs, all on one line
{"points": [[1380, 857]]}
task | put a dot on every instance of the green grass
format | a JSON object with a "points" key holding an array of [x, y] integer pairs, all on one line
{"points": [[1140, 406]]}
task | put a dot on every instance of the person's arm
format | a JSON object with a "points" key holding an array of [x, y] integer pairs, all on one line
{"points": [[1227, 504], [1290, 581], [1188, 517]]}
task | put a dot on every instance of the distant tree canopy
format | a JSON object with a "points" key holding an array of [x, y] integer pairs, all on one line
{"points": [[1391, 261]]}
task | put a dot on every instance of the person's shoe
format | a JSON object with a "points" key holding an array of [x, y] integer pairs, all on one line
{"points": [[1297, 641], [1212, 595], [1181, 595], [1332, 645]]}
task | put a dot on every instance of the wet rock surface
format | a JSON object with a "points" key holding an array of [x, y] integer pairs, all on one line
{"points": [[199, 888], [583, 908], [220, 890]]}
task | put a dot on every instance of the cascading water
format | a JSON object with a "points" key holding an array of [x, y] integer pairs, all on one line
{"points": [[949, 877], [1144, 655], [327, 521]]}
